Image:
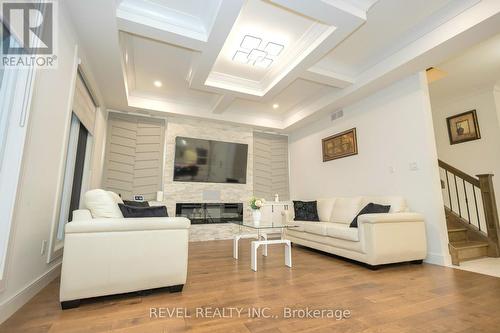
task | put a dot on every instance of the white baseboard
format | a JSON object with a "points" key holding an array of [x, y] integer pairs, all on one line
{"points": [[16, 301], [438, 259]]}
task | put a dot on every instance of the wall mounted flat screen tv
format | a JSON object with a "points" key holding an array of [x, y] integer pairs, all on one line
{"points": [[210, 161]]}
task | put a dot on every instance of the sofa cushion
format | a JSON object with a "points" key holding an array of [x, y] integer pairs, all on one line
{"points": [[102, 204], [318, 228], [371, 208], [131, 211], [298, 225], [325, 209], [345, 209], [342, 232], [305, 210], [398, 204], [318, 242]]}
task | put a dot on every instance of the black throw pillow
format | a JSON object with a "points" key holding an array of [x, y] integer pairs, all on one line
{"points": [[136, 203], [306, 210], [371, 208], [130, 211]]}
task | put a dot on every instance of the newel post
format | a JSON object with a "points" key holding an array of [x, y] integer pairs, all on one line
{"points": [[490, 209]]}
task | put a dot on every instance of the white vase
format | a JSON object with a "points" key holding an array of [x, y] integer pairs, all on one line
{"points": [[256, 215]]}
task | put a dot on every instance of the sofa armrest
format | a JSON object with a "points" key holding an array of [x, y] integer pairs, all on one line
{"points": [[392, 237], [82, 215], [390, 218], [129, 224]]}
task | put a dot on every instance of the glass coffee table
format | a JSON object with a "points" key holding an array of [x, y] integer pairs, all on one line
{"points": [[260, 231]]}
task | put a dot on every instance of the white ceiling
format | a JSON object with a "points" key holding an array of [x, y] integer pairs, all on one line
{"points": [[476, 68], [268, 22], [388, 21], [336, 52], [299, 92], [150, 61]]}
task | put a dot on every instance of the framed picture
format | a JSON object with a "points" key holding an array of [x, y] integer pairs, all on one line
{"points": [[463, 127], [340, 145]]}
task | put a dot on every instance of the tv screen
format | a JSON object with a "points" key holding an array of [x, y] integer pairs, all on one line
{"points": [[210, 161]]}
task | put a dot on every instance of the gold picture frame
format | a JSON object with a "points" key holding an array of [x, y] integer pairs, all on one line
{"points": [[340, 145], [463, 127]]}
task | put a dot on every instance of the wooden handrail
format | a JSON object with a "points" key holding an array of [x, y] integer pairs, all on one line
{"points": [[474, 181], [485, 184]]}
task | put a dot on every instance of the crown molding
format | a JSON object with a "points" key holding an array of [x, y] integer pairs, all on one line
{"points": [[163, 18]]}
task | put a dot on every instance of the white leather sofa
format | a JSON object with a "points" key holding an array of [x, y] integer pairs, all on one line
{"points": [[113, 255], [397, 236]]}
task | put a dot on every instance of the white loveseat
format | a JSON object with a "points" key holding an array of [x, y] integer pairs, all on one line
{"points": [[397, 236], [112, 255]]}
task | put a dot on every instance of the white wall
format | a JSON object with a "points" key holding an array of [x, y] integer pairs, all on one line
{"points": [[394, 129], [41, 179], [474, 157], [496, 94]]}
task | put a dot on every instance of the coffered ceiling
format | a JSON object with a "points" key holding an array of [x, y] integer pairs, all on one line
{"points": [[274, 64]]}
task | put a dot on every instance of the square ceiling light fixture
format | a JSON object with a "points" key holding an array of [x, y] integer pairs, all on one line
{"points": [[253, 52]]}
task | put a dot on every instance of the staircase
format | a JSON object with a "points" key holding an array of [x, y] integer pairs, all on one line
{"points": [[471, 215], [464, 243]]}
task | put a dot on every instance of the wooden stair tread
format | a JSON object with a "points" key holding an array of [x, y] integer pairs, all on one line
{"points": [[468, 244], [453, 224]]}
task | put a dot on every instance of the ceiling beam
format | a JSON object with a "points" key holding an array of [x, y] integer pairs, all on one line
{"points": [[324, 76], [152, 20], [223, 103], [226, 17], [160, 35]]}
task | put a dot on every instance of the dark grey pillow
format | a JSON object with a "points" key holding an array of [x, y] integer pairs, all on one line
{"points": [[136, 203], [306, 211], [156, 211], [371, 208]]}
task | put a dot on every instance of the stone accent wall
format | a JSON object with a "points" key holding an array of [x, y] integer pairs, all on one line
{"points": [[193, 192]]}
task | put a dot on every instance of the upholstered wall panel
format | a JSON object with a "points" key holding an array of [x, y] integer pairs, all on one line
{"points": [[134, 156], [271, 166]]}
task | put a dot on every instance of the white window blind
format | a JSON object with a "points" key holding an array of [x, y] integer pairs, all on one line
{"points": [[271, 166], [134, 156]]}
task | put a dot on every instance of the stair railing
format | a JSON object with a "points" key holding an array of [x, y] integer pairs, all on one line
{"points": [[472, 199]]}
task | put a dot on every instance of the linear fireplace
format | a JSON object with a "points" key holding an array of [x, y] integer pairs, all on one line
{"points": [[208, 213]]}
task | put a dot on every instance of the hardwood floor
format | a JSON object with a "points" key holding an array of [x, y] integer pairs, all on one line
{"points": [[399, 298]]}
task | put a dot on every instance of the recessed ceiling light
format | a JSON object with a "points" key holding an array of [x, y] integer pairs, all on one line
{"points": [[274, 49], [275, 106], [157, 84], [250, 42]]}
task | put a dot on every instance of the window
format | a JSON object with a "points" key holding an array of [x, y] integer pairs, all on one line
{"points": [[77, 165], [7, 82], [15, 98], [77, 168]]}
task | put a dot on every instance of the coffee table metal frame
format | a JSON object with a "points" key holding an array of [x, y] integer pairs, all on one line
{"points": [[260, 235]]}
